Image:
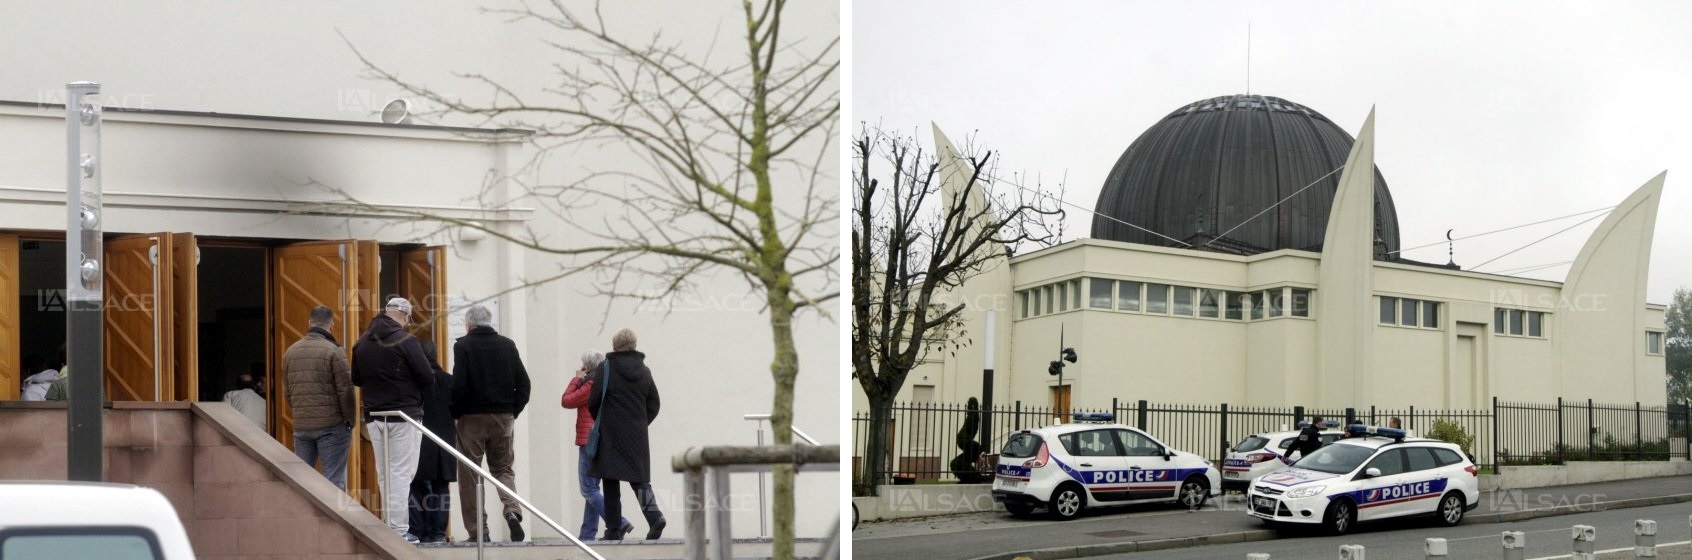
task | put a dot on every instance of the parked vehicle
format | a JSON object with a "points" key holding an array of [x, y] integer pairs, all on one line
{"points": [[1261, 454], [70, 520], [1096, 462], [1374, 475]]}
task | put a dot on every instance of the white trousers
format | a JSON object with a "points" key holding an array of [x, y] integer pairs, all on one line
{"points": [[396, 446]]}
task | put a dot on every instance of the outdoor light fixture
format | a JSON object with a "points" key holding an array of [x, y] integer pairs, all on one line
{"points": [[83, 248]]}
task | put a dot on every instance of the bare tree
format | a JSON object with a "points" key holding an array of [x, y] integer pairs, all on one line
{"points": [[936, 223], [736, 177]]}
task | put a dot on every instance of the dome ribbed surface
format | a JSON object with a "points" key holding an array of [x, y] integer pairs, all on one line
{"points": [[1211, 165]]}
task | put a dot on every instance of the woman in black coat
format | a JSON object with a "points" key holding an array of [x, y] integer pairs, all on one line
{"points": [[623, 408], [436, 469]]}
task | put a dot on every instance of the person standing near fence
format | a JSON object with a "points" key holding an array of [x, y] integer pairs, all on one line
{"points": [[1309, 438], [624, 407]]}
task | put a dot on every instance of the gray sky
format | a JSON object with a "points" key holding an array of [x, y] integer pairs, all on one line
{"points": [[1489, 115]]}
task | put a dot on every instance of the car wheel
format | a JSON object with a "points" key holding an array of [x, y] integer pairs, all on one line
{"points": [[1067, 502], [1451, 509], [1194, 491], [1341, 517], [1019, 510]]}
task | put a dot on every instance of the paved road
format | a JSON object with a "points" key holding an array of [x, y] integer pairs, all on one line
{"points": [[1546, 537], [966, 536]]}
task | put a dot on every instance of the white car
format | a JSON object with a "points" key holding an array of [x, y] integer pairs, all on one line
{"points": [[1376, 474], [60, 520], [1261, 454], [1068, 468]]}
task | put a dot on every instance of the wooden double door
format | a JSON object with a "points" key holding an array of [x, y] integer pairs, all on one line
{"points": [[152, 317]]}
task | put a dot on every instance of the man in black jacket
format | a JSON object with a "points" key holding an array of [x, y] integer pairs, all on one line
{"points": [[489, 389], [388, 363], [1309, 438]]}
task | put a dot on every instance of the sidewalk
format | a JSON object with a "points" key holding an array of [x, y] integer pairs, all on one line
{"points": [[1222, 520]]}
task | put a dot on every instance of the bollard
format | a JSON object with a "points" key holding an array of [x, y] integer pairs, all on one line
{"points": [[1351, 552], [1436, 548], [1515, 545], [1644, 538], [1257, 556], [1585, 540]]}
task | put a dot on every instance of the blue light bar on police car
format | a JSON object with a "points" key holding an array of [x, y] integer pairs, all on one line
{"points": [[1095, 417], [1359, 430]]}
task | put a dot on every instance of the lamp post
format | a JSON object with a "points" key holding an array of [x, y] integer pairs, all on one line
{"points": [[1065, 354], [987, 388], [84, 282]]}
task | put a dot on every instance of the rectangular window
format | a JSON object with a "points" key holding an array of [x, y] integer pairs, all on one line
{"points": [[1654, 342], [1536, 322], [1389, 310], [1256, 305], [1128, 296], [1210, 304], [1516, 321], [1099, 291], [1157, 298], [1236, 305], [1063, 296], [1300, 302], [1183, 301], [1046, 292], [1407, 312], [1075, 293], [1498, 320], [1024, 304], [1277, 301], [1430, 314]]}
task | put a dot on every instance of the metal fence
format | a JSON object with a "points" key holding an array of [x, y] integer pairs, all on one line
{"points": [[924, 437]]}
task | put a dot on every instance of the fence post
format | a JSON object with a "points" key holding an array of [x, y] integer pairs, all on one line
{"points": [[1350, 416], [1412, 423], [1113, 411], [1372, 420], [1496, 420], [1686, 429], [1560, 446], [1019, 416], [1224, 429], [1141, 420], [1638, 433], [1298, 415], [1591, 434]]}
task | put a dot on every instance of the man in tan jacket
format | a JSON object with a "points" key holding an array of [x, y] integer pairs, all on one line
{"points": [[320, 395]]}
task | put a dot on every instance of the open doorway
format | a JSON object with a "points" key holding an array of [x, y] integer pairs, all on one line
{"points": [[232, 321], [41, 303]]}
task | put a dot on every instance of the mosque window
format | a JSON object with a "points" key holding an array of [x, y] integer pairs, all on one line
{"points": [[1157, 298], [1063, 296], [1406, 312], [1024, 304], [1128, 296], [1518, 322], [1653, 342], [1183, 301], [1498, 320], [1099, 291], [1300, 302], [1075, 293], [1256, 305], [1389, 310], [1210, 303], [1277, 301], [1236, 305], [1536, 322], [1430, 314], [1046, 292]]}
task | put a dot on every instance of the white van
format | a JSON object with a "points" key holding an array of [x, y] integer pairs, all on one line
{"points": [[76, 520]]}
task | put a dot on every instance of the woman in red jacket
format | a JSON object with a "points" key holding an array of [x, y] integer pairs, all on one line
{"points": [[576, 396]]}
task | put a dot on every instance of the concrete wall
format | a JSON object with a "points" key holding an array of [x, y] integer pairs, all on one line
{"points": [[1587, 472], [238, 493]]}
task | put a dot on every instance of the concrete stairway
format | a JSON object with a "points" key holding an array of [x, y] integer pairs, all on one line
{"points": [[661, 549]]}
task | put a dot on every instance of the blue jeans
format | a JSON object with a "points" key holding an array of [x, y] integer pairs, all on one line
{"points": [[329, 443], [595, 500]]}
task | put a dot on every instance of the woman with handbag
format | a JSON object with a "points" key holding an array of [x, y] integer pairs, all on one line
{"points": [[576, 397], [623, 402]]}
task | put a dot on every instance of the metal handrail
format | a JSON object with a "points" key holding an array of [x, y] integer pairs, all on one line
{"points": [[763, 503], [714, 463], [796, 431], [481, 535]]}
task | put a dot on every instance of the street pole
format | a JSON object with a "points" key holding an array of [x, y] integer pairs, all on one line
{"points": [[84, 283], [987, 391]]}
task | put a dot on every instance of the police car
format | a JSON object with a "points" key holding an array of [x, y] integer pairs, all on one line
{"points": [[1096, 462], [1376, 474], [1261, 454]]}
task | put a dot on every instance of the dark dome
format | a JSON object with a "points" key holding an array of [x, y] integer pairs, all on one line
{"points": [[1213, 164]]}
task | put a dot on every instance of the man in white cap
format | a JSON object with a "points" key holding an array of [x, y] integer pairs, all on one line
{"points": [[388, 363]]}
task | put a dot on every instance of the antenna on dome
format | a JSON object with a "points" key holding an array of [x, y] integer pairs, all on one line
{"points": [[1450, 251]]}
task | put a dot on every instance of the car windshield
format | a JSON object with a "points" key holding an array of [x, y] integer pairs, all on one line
{"points": [[1336, 459], [1251, 443], [1021, 446]]}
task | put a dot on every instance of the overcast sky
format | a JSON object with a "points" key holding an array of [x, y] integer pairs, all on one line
{"points": [[1489, 115]]}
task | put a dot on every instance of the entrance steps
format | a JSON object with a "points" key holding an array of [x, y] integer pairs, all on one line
{"points": [[559, 549]]}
